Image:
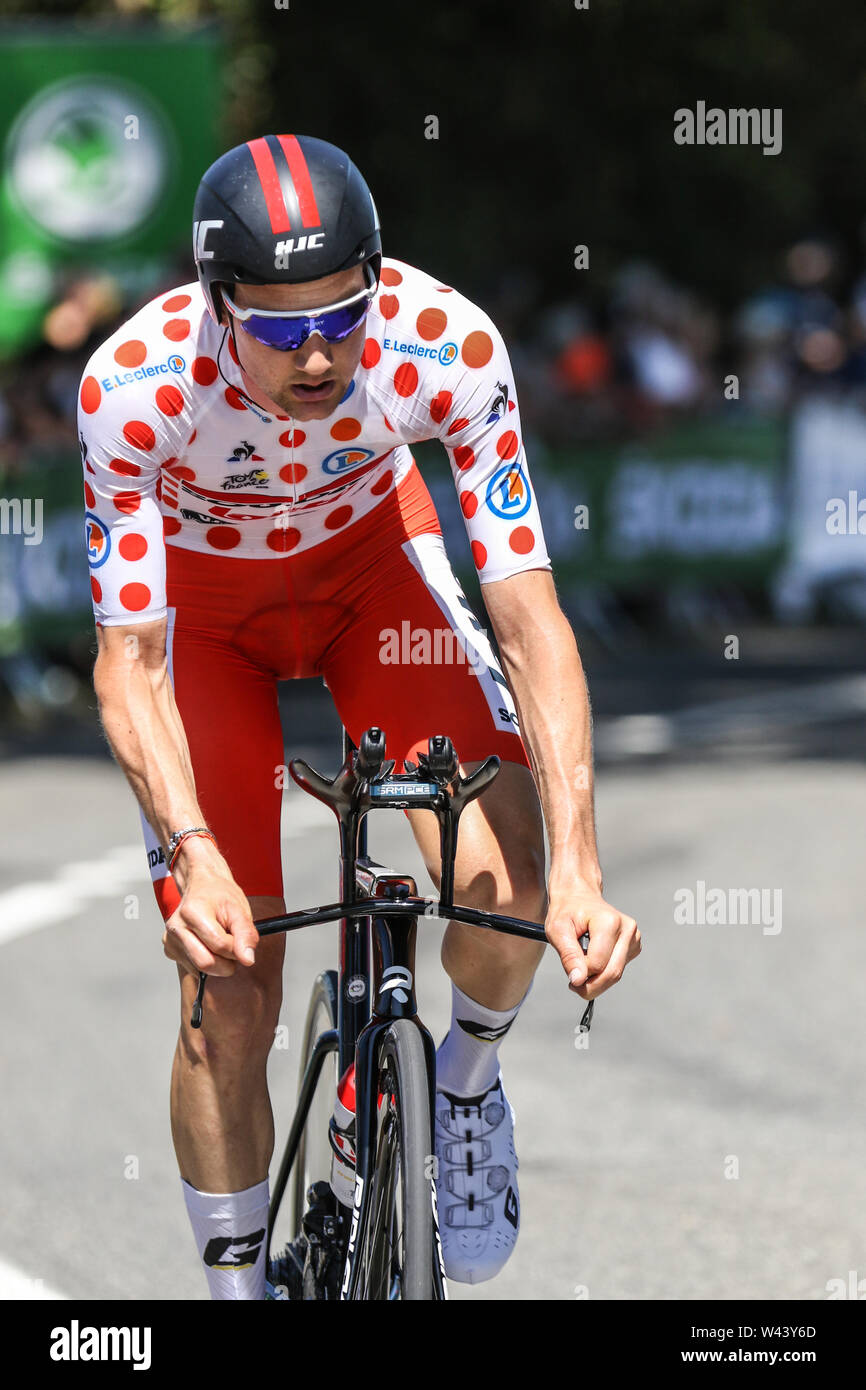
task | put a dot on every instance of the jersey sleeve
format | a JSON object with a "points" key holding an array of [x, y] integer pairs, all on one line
{"points": [[125, 439], [481, 432]]}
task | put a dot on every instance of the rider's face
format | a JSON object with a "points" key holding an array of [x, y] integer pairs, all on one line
{"points": [[309, 383]]}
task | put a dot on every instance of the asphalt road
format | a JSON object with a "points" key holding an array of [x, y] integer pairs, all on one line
{"points": [[708, 1144]]}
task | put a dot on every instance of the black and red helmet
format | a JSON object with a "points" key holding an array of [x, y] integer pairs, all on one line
{"points": [[282, 208]]}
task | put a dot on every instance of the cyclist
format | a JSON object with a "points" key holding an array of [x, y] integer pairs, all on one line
{"points": [[254, 514]]}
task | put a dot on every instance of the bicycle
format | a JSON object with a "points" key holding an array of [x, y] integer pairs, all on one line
{"points": [[386, 1246]]}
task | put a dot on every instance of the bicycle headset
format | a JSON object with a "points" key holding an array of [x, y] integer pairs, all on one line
{"points": [[281, 209]]}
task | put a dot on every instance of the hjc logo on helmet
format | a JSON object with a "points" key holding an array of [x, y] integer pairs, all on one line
{"points": [[284, 249]]}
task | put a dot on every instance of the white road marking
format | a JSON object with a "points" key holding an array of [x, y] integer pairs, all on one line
{"points": [[15, 1284], [45, 902]]}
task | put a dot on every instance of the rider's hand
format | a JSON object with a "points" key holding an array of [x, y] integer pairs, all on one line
{"points": [[213, 927], [614, 939]]}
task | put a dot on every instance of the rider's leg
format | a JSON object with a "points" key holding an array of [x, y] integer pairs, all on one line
{"points": [[221, 1117], [499, 867]]}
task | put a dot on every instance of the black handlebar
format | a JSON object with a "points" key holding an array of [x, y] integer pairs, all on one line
{"points": [[365, 781]]}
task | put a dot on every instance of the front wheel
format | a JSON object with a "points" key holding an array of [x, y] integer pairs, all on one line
{"points": [[397, 1258]]}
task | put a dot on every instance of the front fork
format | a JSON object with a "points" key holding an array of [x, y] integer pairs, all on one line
{"points": [[393, 997]]}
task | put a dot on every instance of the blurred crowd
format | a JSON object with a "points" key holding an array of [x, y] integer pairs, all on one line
{"points": [[653, 350], [656, 350]]}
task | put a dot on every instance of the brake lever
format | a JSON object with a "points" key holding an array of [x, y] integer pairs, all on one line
{"points": [[586, 1020], [195, 1021]]}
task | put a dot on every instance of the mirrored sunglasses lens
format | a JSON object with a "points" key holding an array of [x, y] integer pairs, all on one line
{"points": [[286, 334], [339, 324]]}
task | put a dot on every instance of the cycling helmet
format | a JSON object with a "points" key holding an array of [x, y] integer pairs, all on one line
{"points": [[282, 208]]}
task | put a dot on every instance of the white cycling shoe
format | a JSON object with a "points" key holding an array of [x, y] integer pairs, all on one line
{"points": [[476, 1187]]}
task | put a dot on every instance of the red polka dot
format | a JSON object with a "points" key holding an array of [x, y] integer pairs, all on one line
{"points": [[468, 503], [223, 537], [170, 526], [521, 540], [346, 429], [132, 546], [130, 354], [338, 518], [176, 329], [233, 398], [176, 303], [457, 425], [382, 484], [371, 354], [293, 472], [431, 323], [135, 597], [140, 435], [477, 349], [89, 466], [511, 405], [96, 589], [388, 424], [167, 500], [440, 406], [445, 289], [232, 350], [292, 439], [204, 371], [390, 276], [179, 471], [192, 437], [91, 394], [158, 489], [389, 305], [283, 540], [507, 445], [463, 456], [89, 495], [170, 400], [405, 378], [479, 555], [124, 468], [128, 502]]}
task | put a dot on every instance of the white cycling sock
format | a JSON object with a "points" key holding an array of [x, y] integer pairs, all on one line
{"points": [[230, 1230], [467, 1062]]}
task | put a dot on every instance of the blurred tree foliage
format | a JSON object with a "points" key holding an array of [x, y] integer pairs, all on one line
{"points": [[556, 124]]}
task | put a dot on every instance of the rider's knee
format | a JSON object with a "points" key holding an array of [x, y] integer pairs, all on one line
{"points": [[240, 1016]]}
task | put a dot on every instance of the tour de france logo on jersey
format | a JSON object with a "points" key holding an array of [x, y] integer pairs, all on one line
{"points": [[345, 458], [508, 493], [98, 540]]}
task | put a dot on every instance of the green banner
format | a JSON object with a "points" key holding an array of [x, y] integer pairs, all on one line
{"points": [[104, 137], [701, 500]]}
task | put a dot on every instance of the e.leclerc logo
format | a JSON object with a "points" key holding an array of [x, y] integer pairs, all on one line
{"points": [[446, 353], [97, 539], [342, 459], [508, 494], [175, 364]]}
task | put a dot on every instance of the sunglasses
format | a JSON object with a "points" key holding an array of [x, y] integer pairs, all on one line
{"points": [[287, 330]]}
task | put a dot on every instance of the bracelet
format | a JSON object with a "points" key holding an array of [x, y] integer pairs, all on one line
{"points": [[173, 847]]}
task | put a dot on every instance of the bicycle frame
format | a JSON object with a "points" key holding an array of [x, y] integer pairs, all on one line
{"points": [[377, 915]]}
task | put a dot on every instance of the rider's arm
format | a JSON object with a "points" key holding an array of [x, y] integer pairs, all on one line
{"points": [[129, 433], [484, 439], [144, 731], [545, 674]]}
